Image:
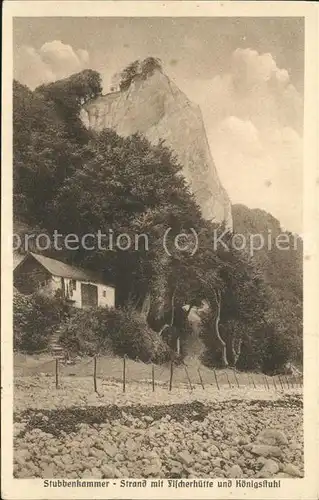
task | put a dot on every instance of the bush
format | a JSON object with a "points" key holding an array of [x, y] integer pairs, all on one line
{"points": [[281, 349], [81, 334], [267, 346], [138, 68], [253, 349], [283, 334], [117, 331], [34, 319]]}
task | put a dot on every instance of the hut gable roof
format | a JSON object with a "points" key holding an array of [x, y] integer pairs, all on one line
{"points": [[58, 268]]}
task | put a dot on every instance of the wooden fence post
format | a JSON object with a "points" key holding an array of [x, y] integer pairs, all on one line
{"points": [[280, 381], [274, 382], [252, 377], [171, 376], [287, 382], [200, 378], [56, 373], [153, 377], [228, 380], [187, 375], [267, 385], [237, 381], [94, 375], [216, 379], [124, 372]]}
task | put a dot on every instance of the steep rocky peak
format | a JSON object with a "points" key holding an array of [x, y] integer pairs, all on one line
{"points": [[151, 104]]}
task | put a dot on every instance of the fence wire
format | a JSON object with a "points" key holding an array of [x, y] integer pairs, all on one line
{"points": [[127, 371]]}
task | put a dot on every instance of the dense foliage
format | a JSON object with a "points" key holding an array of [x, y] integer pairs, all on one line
{"points": [[49, 141], [279, 337], [118, 331], [130, 188], [34, 320]]}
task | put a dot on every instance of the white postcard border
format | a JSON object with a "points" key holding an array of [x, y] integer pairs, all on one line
{"points": [[306, 488]]}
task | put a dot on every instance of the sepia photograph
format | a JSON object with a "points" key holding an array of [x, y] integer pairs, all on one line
{"points": [[158, 242]]}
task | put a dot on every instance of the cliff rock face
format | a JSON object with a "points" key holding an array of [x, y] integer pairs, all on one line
{"points": [[155, 107]]}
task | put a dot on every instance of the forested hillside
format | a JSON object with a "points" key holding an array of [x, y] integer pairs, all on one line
{"points": [[282, 267], [72, 180]]}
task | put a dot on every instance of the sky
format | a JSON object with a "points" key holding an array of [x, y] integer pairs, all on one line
{"points": [[246, 74]]}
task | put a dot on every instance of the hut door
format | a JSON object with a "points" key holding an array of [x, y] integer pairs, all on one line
{"points": [[89, 295]]}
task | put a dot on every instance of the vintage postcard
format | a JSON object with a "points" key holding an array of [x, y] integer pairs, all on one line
{"points": [[159, 250]]}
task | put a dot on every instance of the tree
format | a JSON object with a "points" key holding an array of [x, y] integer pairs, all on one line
{"points": [[102, 195], [284, 342], [235, 293], [45, 152], [70, 94], [141, 69]]}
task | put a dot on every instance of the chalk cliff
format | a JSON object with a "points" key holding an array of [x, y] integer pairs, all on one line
{"points": [[155, 107]]}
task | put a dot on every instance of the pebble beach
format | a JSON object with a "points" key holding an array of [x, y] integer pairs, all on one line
{"points": [[76, 433]]}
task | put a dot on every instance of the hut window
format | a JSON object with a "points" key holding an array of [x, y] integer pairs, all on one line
{"points": [[73, 284]]}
